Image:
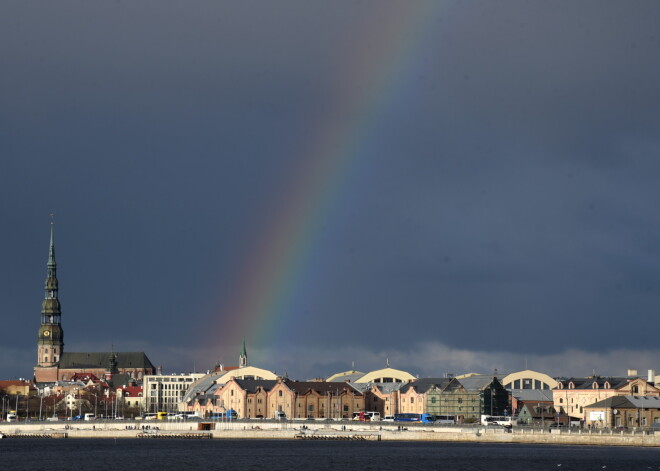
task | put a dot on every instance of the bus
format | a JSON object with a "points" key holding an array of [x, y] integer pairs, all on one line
{"points": [[415, 418], [446, 419], [503, 420], [231, 414]]}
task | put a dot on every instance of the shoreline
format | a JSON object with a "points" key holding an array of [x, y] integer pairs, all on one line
{"points": [[321, 431]]}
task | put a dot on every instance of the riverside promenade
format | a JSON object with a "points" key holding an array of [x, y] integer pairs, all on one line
{"points": [[314, 430]]}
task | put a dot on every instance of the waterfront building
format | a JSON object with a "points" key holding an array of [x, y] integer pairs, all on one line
{"points": [[380, 397], [315, 399], [258, 398], [624, 412], [574, 394], [528, 379], [54, 363], [132, 397], [248, 397], [164, 393], [422, 396], [384, 375], [537, 414], [470, 397], [534, 397]]}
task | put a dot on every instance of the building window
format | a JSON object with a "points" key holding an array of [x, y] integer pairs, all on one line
{"points": [[279, 393]]}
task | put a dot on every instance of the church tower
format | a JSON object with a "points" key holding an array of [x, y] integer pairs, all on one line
{"points": [[50, 341], [242, 359]]}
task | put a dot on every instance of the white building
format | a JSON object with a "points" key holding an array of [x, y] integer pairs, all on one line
{"points": [[162, 393]]}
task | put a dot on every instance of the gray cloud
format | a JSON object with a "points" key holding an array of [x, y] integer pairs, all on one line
{"points": [[507, 183]]}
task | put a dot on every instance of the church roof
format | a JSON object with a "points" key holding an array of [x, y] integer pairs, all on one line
{"points": [[77, 360]]}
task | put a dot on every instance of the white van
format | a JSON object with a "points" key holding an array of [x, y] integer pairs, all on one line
{"points": [[280, 415], [89, 416], [388, 418]]}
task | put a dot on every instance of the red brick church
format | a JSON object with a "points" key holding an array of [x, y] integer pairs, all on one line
{"points": [[54, 364]]}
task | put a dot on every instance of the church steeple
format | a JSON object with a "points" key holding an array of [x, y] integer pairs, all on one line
{"points": [[242, 359], [51, 337]]}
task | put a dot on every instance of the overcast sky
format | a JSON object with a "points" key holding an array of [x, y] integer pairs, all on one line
{"points": [[455, 186]]}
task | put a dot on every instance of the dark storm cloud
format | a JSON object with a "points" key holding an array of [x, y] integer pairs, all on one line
{"points": [[509, 180]]}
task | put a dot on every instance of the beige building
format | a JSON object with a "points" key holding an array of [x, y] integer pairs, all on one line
{"points": [[624, 411], [572, 396], [315, 399], [252, 398], [382, 398]]}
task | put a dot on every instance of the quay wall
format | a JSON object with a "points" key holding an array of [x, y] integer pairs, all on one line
{"points": [[289, 431]]}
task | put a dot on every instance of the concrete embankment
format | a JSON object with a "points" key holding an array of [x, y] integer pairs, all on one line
{"points": [[323, 431]]}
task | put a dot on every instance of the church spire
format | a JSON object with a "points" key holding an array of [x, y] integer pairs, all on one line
{"points": [[50, 342], [52, 266], [50, 309], [242, 359]]}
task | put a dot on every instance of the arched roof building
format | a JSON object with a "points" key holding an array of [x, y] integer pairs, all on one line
{"points": [[528, 379]]}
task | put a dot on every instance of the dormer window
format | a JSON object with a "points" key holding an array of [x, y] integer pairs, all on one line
{"points": [[571, 385], [595, 385]]}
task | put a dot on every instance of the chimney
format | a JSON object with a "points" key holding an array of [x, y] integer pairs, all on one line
{"points": [[632, 372], [651, 377]]}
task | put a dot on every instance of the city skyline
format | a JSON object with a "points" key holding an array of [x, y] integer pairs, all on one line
{"points": [[451, 187]]}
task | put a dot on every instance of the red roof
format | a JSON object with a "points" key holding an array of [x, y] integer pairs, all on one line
{"points": [[131, 391], [84, 377]]}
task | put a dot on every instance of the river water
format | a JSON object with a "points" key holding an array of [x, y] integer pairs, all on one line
{"points": [[240, 455]]}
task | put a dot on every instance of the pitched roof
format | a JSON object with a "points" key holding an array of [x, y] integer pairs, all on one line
{"points": [[251, 385], [131, 391], [532, 395], [476, 382], [422, 385], [384, 388], [80, 376], [588, 382], [321, 387], [71, 360], [627, 402], [611, 402]]}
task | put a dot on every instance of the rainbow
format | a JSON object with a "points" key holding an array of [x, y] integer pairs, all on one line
{"points": [[383, 57]]}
